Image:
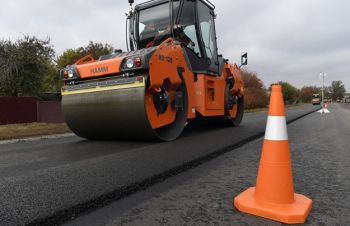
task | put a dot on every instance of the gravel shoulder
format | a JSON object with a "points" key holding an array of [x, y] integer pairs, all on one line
{"points": [[203, 195]]}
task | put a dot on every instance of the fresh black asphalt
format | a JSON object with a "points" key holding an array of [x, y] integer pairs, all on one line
{"points": [[320, 155], [52, 180]]}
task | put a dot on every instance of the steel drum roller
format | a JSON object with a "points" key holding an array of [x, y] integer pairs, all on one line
{"points": [[115, 112]]}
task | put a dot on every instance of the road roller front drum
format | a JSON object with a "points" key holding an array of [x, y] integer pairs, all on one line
{"points": [[123, 112]]}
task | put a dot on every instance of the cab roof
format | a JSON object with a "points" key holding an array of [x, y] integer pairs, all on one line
{"points": [[152, 3]]}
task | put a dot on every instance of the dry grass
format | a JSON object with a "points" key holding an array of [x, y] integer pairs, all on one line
{"points": [[13, 131], [252, 110]]}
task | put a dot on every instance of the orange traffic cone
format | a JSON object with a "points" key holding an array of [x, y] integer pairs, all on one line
{"points": [[274, 197]]}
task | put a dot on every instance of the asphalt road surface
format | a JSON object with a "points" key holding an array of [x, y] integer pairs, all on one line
{"points": [[320, 150], [51, 181]]}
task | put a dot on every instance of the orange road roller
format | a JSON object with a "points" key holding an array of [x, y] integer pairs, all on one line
{"points": [[171, 74]]}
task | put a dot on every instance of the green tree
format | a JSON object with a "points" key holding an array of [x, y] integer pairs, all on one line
{"points": [[23, 65], [8, 66], [290, 93], [337, 90], [52, 82], [327, 92]]}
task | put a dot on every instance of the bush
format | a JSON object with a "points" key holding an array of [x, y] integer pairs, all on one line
{"points": [[255, 95], [291, 95]]}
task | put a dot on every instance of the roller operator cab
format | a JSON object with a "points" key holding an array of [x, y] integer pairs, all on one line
{"points": [[171, 74]]}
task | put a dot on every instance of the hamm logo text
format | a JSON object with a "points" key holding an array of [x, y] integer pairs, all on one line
{"points": [[99, 70]]}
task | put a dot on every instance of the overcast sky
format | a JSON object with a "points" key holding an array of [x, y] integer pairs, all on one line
{"points": [[289, 40]]}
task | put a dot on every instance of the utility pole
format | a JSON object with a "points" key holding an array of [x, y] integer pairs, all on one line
{"points": [[323, 75], [323, 110]]}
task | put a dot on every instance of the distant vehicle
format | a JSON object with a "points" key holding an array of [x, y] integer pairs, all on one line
{"points": [[327, 100], [347, 99], [316, 100]]}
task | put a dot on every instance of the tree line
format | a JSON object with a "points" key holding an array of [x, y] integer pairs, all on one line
{"points": [[29, 66], [256, 94]]}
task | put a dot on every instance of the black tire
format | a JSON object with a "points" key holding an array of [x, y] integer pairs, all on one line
{"points": [[240, 108]]}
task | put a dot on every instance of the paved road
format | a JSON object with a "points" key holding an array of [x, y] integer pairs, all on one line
{"points": [[345, 105], [203, 195], [52, 180]]}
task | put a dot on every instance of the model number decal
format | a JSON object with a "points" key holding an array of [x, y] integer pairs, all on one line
{"points": [[165, 58]]}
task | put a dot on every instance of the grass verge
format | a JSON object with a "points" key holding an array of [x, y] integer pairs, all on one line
{"points": [[14, 131]]}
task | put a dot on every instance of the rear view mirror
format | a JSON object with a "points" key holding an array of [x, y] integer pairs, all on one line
{"points": [[244, 58]]}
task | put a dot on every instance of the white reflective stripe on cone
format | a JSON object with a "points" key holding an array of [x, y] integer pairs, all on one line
{"points": [[276, 128]]}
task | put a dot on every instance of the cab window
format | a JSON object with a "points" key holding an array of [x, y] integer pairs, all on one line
{"points": [[186, 32], [207, 26], [153, 26]]}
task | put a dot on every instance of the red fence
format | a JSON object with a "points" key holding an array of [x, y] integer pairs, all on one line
{"points": [[28, 109], [49, 111], [17, 110]]}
